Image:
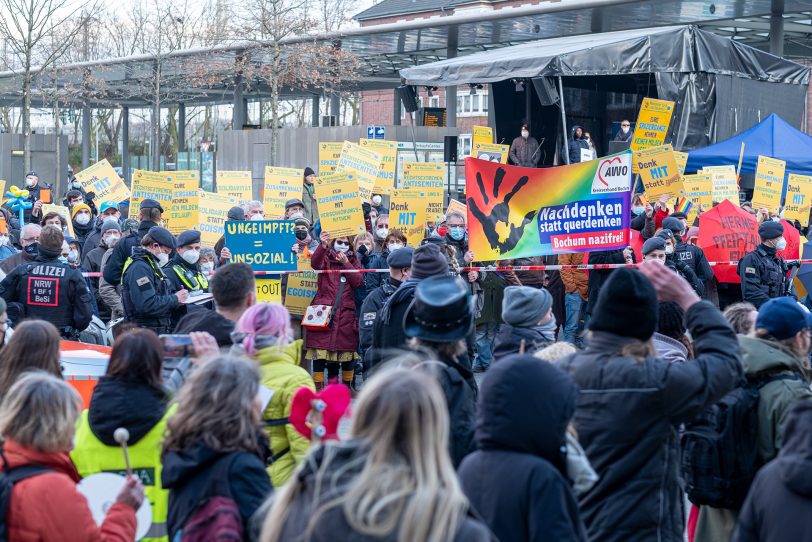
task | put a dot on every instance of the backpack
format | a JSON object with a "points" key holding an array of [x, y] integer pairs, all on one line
{"points": [[719, 447], [9, 477], [217, 517]]}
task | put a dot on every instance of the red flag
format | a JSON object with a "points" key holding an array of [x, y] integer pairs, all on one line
{"points": [[726, 234], [793, 237], [636, 242]]}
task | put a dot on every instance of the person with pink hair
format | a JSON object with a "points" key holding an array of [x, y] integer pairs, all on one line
{"points": [[263, 333]]}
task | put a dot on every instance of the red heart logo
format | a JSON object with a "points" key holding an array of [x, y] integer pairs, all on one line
{"points": [[607, 163], [336, 398]]}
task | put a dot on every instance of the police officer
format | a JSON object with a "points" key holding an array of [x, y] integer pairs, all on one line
{"points": [[762, 271], [149, 214], [146, 293], [49, 289], [400, 263], [691, 255], [182, 270]]}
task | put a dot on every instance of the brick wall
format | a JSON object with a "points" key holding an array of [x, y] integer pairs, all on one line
{"points": [[377, 107]]}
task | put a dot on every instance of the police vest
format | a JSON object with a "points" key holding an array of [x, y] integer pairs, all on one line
{"points": [[91, 456], [190, 279], [43, 289]]}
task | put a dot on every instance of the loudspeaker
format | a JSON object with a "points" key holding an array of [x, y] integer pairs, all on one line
{"points": [[450, 149], [545, 88], [408, 95]]}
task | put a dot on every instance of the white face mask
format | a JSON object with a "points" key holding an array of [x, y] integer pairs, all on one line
{"points": [[109, 218], [207, 267], [781, 244], [191, 256], [382, 232], [163, 258], [3, 239], [341, 247], [624, 129], [669, 250], [112, 240], [297, 214], [73, 256], [376, 200], [394, 246], [83, 219], [29, 182], [257, 217], [525, 134]]}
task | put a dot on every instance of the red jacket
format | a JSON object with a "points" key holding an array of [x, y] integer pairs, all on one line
{"points": [[48, 506], [659, 216], [342, 335]]}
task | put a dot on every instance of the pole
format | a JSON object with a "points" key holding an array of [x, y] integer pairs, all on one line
{"points": [[564, 120]]}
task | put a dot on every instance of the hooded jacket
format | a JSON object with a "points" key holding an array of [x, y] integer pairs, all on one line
{"points": [[516, 480], [669, 349], [509, 339], [112, 406], [627, 416], [778, 504], [576, 144]]}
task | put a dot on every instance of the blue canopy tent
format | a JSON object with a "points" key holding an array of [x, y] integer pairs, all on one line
{"points": [[773, 137]]}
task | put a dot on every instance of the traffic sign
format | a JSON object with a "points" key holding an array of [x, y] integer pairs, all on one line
{"points": [[376, 132]]}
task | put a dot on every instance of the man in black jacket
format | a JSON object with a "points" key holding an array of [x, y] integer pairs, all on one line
{"points": [[763, 272], [632, 403], [691, 255], [150, 216]]}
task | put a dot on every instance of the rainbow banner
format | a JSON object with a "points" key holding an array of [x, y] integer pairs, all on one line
{"points": [[516, 212]]}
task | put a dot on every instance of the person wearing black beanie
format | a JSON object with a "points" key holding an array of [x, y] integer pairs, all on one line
{"points": [[631, 401], [311, 210]]}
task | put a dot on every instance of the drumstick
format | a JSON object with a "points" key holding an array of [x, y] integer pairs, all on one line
{"points": [[121, 435]]}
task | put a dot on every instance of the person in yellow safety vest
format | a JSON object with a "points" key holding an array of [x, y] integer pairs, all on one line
{"points": [[263, 333], [130, 395], [183, 270]]}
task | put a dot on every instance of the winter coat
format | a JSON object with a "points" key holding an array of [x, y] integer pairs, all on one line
{"points": [[778, 504], [342, 335], [92, 262], [346, 461], [628, 136], [776, 399], [574, 279], [109, 294], [627, 417], [474, 288], [111, 407], [48, 507], [280, 371], [19, 258], [669, 349], [82, 233], [388, 333], [190, 477], [377, 260], [525, 152], [369, 312], [509, 340], [123, 250], [644, 224], [93, 239], [6, 251], [460, 390], [575, 145], [493, 292], [516, 480], [598, 277], [311, 209]]}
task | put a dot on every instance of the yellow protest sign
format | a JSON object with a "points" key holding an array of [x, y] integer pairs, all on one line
{"points": [[301, 287], [103, 180], [213, 213], [433, 200], [682, 161], [151, 185], [235, 184], [281, 184], [407, 213], [799, 198], [769, 186], [339, 209], [388, 151], [481, 134], [458, 207], [659, 172], [424, 175], [490, 152], [2, 190], [62, 211], [699, 189], [652, 125], [269, 290], [329, 153], [725, 183], [184, 213], [364, 163]]}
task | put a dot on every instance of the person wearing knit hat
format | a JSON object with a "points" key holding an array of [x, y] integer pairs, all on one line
{"points": [[82, 217], [524, 311], [305, 244], [630, 395], [669, 339], [763, 271]]}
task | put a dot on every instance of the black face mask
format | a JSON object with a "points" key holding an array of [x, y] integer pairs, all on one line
{"points": [[362, 250], [32, 249], [301, 235]]}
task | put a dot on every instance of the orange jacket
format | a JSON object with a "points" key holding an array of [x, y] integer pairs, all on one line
{"points": [[48, 507], [574, 279]]}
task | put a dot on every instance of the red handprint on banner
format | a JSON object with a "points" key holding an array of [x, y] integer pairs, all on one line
{"points": [[499, 213]]}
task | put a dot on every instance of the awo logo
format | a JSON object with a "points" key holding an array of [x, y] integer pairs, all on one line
{"points": [[613, 175]]}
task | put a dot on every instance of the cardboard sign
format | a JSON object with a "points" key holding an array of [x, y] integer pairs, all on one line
{"points": [[213, 213], [434, 205], [269, 290], [265, 245], [184, 214], [407, 213], [769, 186], [481, 134], [699, 189], [682, 161], [456, 206], [659, 172], [151, 185], [236, 184], [364, 163], [799, 198], [388, 151], [652, 125], [281, 184], [339, 207], [424, 175], [301, 287], [587, 155], [102, 179], [490, 152], [329, 153], [725, 183]]}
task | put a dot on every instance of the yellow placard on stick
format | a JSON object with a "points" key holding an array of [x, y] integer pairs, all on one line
{"points": [[151, 185], [652, 125], [769, 186], [213, 213], [407, 213], [725, 183], [339, 207], [269, 290], [281, 184], [424, 175], [60, 210], [434, 204], [490, 152], [301, 287], [659, 172], [364, 163], [388, 151], [682, 161], [103, 180], [329, 153], [184, 214], [236, 184], [698, 189], [481, 134], [799, 198]]}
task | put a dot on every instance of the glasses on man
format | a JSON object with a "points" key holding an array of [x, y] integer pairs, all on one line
{"points": [[625, 125], [31, 239]]}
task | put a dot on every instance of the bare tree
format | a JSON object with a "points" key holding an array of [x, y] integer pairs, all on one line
{"points": [[27, 26]]}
